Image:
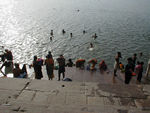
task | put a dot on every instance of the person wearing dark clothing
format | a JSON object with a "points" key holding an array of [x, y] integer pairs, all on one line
{"points": [[2, 57], [102, 66], [8, 67], [94, 36], [80, 63], [51, 38], [16, 71], [91, 45], [8, 55], [63, 31], [51, 33], [49, 62], [61, 62], [84, 31], [128, 71], [70, 34], [49, 54], [37, 68], [70, 63], [139, 77]]}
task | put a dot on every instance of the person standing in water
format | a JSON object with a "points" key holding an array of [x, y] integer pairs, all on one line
{"points": [[51, 38], [63, 31], [94, 36], [91, 45], [84, 32], [116, 65], [51, 33], [70, 34]]}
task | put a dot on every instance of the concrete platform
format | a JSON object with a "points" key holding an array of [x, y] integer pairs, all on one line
{"points": [[79, 75], [43, 96], [105, 77]]}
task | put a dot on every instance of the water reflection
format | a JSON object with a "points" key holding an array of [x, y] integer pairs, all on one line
{"points": [[25, 28]]}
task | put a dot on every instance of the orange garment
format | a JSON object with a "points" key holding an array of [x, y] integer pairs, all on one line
{"points": [[49, 61], [80, 60], [121, 66], [93, 60], [80, 63], [101, 62]]}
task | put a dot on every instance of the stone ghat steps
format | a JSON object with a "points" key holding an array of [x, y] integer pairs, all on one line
{"points": [[43, 96]]}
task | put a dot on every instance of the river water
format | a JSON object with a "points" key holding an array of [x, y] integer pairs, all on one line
{"points": [[121, 25]]}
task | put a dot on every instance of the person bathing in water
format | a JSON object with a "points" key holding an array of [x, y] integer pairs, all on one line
{"points": [[51, 38], [63, 31], [70, 34], [94, 36], [84, 31], [91, 45], [51, 33]]}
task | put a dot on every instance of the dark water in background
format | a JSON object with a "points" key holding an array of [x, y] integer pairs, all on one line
{"points": [[121, 25]]}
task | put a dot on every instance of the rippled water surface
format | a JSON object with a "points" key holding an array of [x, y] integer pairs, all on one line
{"points": [[121, 25]]}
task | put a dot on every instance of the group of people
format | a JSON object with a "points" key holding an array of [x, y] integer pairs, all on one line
{"points": [[49, 62], [71, 35], [63, 32], [52, 34], [7, 59], [91, 64], [133, 67]]}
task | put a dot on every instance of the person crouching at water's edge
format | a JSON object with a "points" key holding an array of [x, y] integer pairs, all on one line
{"points": [[70, 63]]}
